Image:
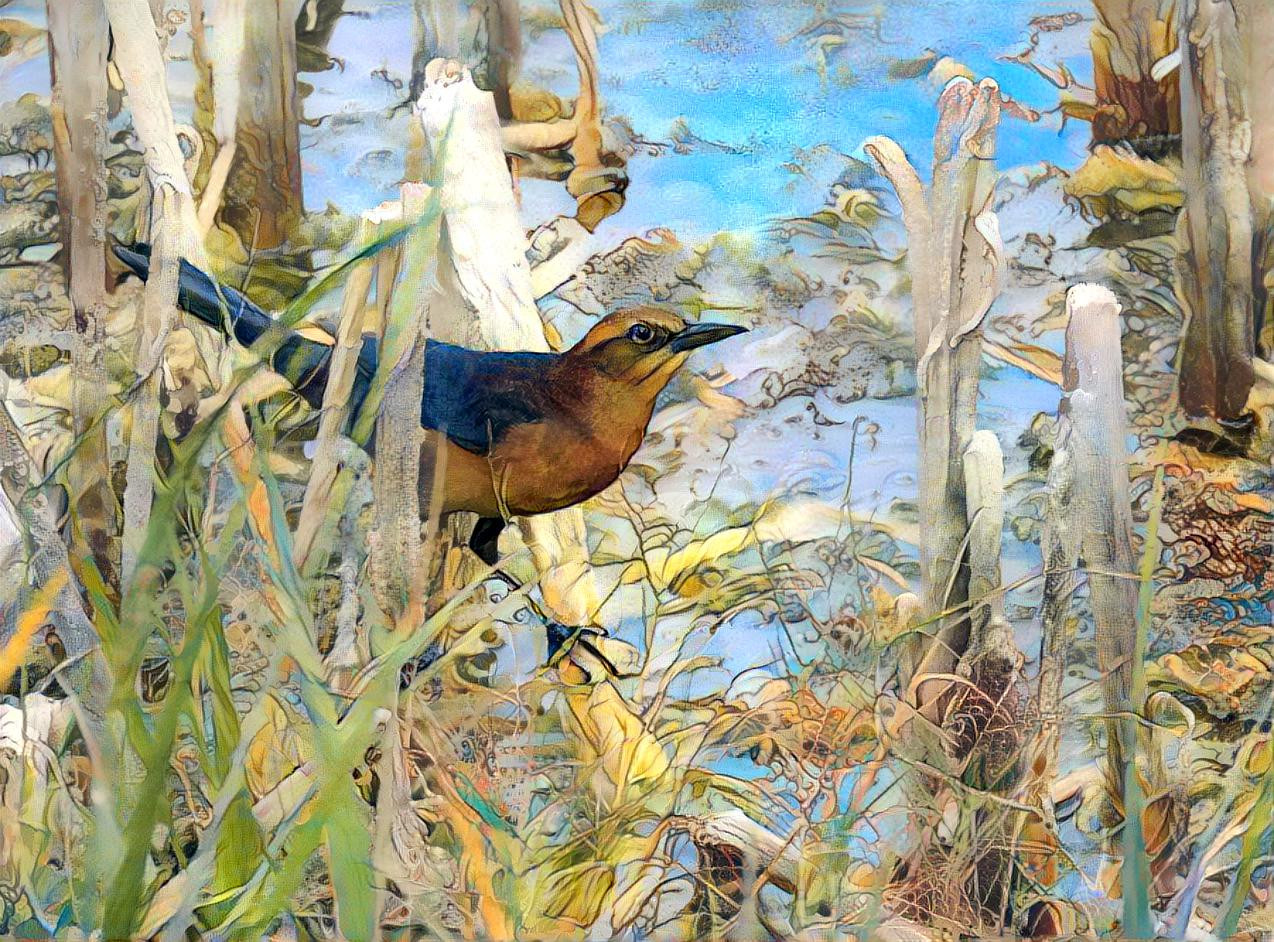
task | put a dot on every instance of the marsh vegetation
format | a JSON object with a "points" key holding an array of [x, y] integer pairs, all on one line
{"points": [[940, 605]]}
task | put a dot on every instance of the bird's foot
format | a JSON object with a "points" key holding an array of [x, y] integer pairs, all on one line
{"points": [[592, 650]]}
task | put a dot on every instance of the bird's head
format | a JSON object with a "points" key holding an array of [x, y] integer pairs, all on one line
{"points": [[644, 347]]}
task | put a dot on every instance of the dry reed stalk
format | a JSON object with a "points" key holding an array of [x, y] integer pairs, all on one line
{"points": [[173, 235], [226, 58], [77, 53], [349, 337], [954, 256], [34, 535], [399, 561]]}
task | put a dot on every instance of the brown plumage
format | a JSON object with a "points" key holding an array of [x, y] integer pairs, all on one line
{"points": [[591, 406], [508, 433]]}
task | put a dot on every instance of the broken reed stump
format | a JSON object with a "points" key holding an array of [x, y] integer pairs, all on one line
{"points": [[954, 256], [980, 722], [1215, 265], [966, 682], [989, 629], [1090, 523]]}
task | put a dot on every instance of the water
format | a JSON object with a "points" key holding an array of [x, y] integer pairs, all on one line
{"points": [[725, 68], [738, 74], [734, 70]]}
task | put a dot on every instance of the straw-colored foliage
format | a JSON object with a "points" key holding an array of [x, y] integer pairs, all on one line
{"points": [[250, 693]]}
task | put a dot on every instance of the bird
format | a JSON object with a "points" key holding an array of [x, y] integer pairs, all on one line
{"points": [[515, 433]]}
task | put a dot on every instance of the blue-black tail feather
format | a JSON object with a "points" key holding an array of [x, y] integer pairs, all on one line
{"points": [[303, 362], [471, 396]]}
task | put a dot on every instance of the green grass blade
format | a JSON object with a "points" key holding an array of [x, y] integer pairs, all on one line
{"points": [[1258, 824], [348, 832]]}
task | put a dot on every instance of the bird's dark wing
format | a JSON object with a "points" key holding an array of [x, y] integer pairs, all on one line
{"points": [[474, 397], [301, 361]]}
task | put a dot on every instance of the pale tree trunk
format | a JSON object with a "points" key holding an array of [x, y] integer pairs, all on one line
{"points": [[263, 198], [1129, 37], [1096, 425], [173, 235], [1216, 262], [484, 296], [954, 255], [77, 54]]}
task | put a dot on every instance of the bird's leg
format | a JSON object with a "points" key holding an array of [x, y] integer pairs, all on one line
{"points": [[485, 539], [484, 542], [560, 638]]}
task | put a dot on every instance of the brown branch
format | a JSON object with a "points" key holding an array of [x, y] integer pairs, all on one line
{"points": [[77, 56]]}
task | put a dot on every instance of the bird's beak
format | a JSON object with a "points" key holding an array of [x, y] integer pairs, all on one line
{"points": [[699, 335]]}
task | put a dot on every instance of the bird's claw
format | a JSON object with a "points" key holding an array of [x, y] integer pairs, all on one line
{"points": [[593, 651], [561, 638]]}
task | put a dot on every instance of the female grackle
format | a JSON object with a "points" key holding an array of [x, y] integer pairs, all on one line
{"points": [[515, 434]]}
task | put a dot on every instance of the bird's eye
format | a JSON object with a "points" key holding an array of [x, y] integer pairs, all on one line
{"points": [[641, 333]]}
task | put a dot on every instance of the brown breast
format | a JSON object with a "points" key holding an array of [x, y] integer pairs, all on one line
{"points": [[545, 466]]}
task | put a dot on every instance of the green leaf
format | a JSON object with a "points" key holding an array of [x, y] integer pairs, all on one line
{"points": [[348, 832]]}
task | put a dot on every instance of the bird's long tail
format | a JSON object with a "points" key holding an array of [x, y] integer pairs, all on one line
{"points": [[302, 362]]}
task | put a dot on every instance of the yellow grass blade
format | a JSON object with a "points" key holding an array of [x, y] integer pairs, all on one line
{"points": [[29, 623], [1040, 362]]}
